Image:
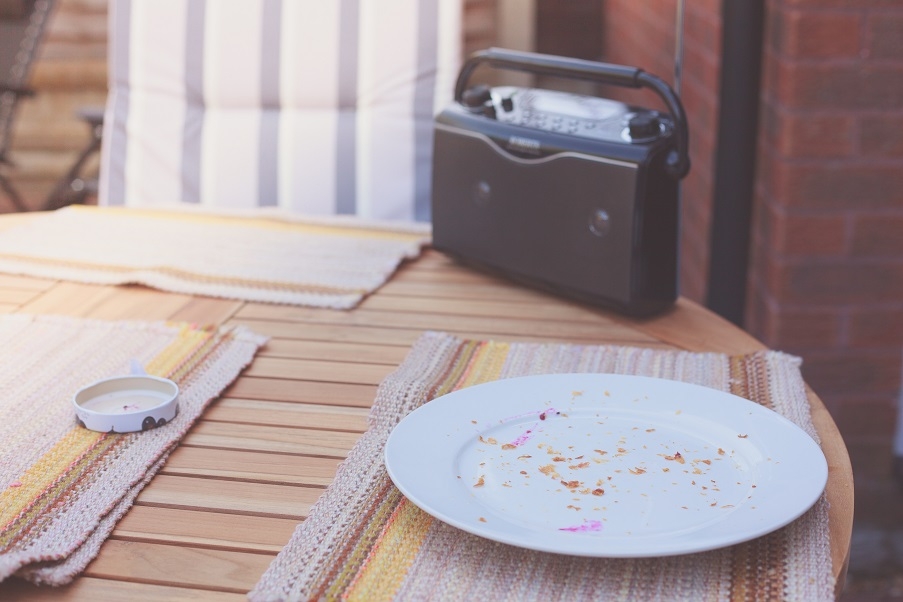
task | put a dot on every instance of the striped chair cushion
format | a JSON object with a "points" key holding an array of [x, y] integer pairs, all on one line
{"points": [[313, 106]]}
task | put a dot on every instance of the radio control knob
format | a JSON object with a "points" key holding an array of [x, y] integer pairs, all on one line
{"points": [[643, 126], [477, 96]]}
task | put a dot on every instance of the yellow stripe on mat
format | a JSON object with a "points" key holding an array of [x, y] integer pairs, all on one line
{"points": [[43, 473], [167, 362], [392, 556], [269, 223]]}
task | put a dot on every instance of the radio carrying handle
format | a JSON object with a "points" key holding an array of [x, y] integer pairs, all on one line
{"points": [[677, 163]]}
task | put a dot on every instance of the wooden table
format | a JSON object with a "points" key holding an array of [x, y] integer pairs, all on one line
{"points": [[230, 496]]}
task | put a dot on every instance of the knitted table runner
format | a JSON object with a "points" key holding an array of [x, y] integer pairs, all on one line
{"points": [[63, 487], [267, 257], [364, 541]]}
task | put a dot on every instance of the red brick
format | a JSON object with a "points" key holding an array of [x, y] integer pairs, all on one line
{"points": [[834, 283], [878, 235], [703, 27], [756, 311], [700, 107], [865, 419], [872, 461], [845, 85], [569, 28], [712, 7], [886, 40], [881, 135], [840, 373], [769, 80], [702, 149], [869, 327], [810, 135], [834, 186], [701, 67], [696, 210], [693, 285], [877, 498], [816, 34], [761, 233], [804, 329], [856, 4], [808, 234]]}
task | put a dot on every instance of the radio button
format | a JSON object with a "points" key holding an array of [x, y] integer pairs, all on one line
{"points": [[643, 126], [475, 97], [599, 222], [482, 192]]}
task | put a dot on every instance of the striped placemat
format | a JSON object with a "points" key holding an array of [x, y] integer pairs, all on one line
{"points": [[265, 256], [364, 541], [63, 487]]}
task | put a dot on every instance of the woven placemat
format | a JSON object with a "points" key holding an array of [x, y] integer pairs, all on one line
{"points": [[264, 256], [364, 541], [63, 487]]}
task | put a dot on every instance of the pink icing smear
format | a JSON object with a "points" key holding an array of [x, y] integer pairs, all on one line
{"points": [[528, 434], [523, 438], [586, 527]]}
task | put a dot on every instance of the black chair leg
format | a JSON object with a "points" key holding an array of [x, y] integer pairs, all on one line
{"points": [[73, 188]]}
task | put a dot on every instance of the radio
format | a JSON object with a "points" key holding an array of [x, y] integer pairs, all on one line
{"points": [[572, 193]]}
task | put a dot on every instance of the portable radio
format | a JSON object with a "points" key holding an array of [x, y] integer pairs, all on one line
{"points": [[572, 193]]}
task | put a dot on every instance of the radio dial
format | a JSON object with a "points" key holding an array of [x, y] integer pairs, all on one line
{"points": [[479, 100], [644, 125], [476, 97]]}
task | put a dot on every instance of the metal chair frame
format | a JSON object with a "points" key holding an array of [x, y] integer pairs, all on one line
{"points": [[22, 26]]}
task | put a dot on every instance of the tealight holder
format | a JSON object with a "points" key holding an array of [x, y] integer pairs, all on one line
{"points": [[125, 404]]}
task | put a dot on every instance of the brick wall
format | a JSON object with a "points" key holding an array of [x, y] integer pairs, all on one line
{"points": [[479, 24], [642, 34], [827, 267]]}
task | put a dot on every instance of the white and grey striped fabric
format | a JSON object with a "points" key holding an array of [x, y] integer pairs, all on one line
{"points": [[314, 106]]}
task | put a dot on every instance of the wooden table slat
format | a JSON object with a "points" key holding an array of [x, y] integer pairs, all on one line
{"points": [[236, 497], [206, 310], [16, 296], [205, 529], [272, 389], [509, 323], [70, 299], [174, 565], [274, 439], [391, 355], [112, 590], [11, 281], [319, 370], [278, 413], [250, 466]]}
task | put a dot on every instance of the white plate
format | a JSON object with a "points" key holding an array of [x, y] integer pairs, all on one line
{"points": [[605, 465]]}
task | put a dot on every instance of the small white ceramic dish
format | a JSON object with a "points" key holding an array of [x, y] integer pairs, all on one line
{"points": [[125, 404]]}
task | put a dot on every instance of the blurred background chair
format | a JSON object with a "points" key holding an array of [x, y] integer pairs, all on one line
{"points": [[313, 107], [22, 25], [79, 183]]}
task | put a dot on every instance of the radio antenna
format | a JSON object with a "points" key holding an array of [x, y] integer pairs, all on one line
{"points": [[678, 45]]}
